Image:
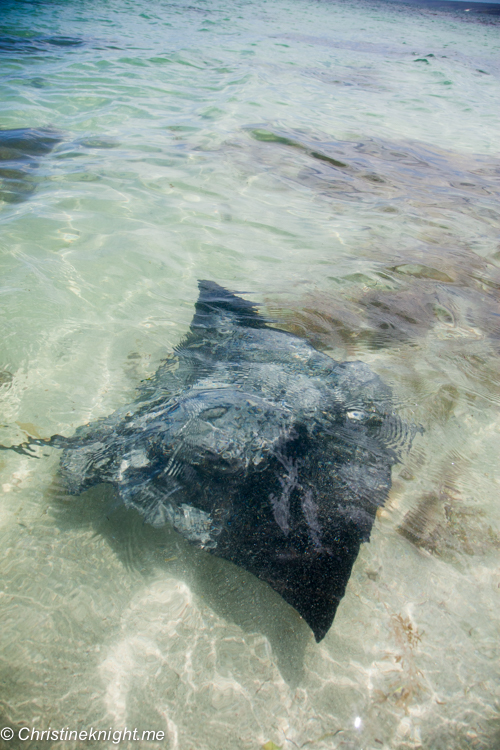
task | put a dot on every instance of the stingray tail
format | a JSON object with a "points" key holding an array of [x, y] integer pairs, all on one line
{"points": [[27, 448]]}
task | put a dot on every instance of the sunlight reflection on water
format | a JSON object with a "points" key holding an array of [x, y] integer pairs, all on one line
{"points": [[340, 163]]}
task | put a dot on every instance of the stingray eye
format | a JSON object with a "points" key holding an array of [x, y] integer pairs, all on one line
{"points": [[356, 415], [210, 414]]}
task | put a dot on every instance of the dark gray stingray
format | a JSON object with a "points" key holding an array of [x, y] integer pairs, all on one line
{"points": [[254, 446], [20, 151]]}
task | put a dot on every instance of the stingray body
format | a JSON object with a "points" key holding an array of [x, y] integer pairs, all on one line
{"points": [[254, 446]]}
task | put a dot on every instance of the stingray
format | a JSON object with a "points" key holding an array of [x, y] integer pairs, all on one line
{"points": [[254, 446]]}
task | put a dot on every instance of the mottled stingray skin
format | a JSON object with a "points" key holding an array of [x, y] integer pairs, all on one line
{"points": [[255, 447]]}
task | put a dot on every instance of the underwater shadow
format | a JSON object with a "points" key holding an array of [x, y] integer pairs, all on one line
{"points": [[231, 592]]}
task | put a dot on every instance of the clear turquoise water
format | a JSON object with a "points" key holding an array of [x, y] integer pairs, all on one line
{"points": [[204, 142]]}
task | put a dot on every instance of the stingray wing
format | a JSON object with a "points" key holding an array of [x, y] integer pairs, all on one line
{"points": [[299, 525]]}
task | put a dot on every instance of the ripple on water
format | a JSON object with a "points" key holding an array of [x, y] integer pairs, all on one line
{"points": [[350, 180]]}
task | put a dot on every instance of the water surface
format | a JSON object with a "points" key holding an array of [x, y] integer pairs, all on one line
{"points": [[338, 161]]}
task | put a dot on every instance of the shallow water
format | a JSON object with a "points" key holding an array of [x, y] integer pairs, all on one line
{"points": [[340, 163]]}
